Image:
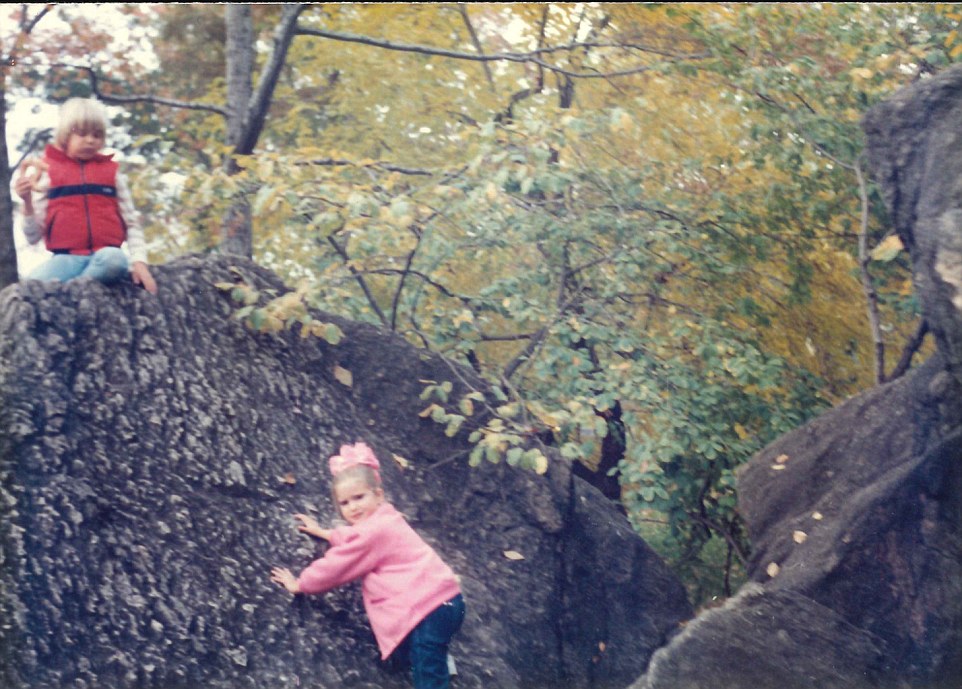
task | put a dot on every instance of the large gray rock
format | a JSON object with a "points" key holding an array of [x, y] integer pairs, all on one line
{"points": [[152, 452], [915, 149], [777, 640], [856, 518]]}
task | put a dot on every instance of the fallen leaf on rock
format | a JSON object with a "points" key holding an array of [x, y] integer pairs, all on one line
{"points": [[799, 536], [513, 555], [817, 516], [343, 376], [403, 463], [772, 569], [781, 459]]}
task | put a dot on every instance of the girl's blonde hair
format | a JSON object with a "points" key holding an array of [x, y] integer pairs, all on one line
{"points": [[80, 115]]}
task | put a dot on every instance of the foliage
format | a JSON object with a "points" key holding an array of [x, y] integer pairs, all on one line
{"points": [[265, 312], [677, 241]]}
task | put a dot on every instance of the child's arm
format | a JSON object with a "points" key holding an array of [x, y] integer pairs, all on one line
{"points": [[139, 272], [351, 556], [310, 526]]}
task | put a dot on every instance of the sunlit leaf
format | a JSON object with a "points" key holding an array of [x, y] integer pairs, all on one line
{"points": [[343, 376]]}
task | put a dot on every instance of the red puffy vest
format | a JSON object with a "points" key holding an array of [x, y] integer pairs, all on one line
{"points": [[83, 214]]}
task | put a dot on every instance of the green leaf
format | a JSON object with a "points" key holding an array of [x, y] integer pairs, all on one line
{"points": [[332, 334], [454, 425]]}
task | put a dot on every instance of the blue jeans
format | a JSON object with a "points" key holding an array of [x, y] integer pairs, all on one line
{"points": [[427, 644], [108, 265]]}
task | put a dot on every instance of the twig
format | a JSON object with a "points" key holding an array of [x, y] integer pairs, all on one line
{"points": [[871, 296]]}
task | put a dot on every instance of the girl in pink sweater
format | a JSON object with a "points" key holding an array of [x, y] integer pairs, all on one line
{"points": [[412, 598]]}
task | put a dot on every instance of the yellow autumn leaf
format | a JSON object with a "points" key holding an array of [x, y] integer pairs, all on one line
{"points": [[861, 73], [781, 459], [817, 516], [773, 569], [540, 464], [465, 316], [402, 462], [513, 555], [343, 376], [428, 411], [740, 431], [888, 248], [799, 536]]}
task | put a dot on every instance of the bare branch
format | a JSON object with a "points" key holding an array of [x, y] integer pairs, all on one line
{"points": [[37, 138], [535, 342], [387, 167], [529, 57], [424, 278], [256, 115], [725, 533], [26, 26], [462, 8], [359, 278], [396, 301], [868, 287], [508, 338], [157, 100], [538, 87], [909, 351]]}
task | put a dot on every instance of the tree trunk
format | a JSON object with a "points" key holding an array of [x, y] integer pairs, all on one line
{"points": [[8, 250], [236, 237]]}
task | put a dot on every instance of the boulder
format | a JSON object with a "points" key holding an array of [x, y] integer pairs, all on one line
{"points": [[153, 451], [915, 150], [856, 570]]}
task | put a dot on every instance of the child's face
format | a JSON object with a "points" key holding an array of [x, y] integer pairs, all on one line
{"points": [[84, 144], [357, 500]]}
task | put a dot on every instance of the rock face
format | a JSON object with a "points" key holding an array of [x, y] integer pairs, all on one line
{"points": [[152, 452], [856, 518], [915, 148]]}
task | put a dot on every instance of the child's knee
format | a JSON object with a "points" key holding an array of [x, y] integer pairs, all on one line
{"points": [[108, 265]]}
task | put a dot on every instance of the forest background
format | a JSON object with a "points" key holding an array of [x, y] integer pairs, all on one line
{"points": [[647, 226]]}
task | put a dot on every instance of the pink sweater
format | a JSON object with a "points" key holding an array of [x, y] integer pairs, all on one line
{"points": [[404, 579]]}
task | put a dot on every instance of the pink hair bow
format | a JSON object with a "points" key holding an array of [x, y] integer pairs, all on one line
{"points": [[353, 455]]}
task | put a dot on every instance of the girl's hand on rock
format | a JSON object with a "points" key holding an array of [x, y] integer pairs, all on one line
{"points": [[310, 526], [286, 578]]}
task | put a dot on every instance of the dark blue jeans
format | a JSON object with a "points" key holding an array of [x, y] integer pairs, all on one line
{"points": [[427, 645]]}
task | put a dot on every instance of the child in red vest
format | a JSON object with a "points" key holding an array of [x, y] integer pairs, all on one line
{"points": [[78, 201], [412, 598]]}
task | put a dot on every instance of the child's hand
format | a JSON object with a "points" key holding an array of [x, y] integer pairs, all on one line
{"points": [[284, 577], [30, 171], [310, 526], [140, 274]]}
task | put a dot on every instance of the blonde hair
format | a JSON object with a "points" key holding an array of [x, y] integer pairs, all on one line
{"points": [[80, 115]]}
